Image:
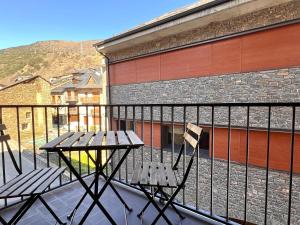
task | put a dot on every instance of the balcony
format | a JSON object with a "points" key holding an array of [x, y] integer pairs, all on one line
{"points": [[72, 100], [246, 169]]}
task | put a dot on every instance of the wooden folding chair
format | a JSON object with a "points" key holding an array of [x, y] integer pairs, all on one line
{"points": [[29, 185], [160, 175]]}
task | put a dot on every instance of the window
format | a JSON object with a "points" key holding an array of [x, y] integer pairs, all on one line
{"points": [[28, 115], [25, 126], [126, 126]]}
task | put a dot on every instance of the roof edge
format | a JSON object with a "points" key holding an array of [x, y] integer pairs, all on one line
{"points": [[163, 21]]}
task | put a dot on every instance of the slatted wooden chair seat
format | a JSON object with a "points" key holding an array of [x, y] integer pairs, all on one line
{"points": [[155, 174], [30, 185], [161, 175]]}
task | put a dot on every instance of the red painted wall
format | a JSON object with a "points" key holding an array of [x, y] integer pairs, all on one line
{"points": [[280, 148], [275, 48]]}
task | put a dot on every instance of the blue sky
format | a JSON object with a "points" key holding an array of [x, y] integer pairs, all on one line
{"points": [[27, 21]]}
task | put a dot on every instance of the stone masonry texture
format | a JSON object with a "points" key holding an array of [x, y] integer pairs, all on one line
{"points": [[265, 86], [272, 15]]}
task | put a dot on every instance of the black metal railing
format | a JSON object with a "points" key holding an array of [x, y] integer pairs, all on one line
{"points": [[239, 174]]}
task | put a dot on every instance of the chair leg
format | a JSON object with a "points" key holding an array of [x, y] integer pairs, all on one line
{"points": [[172, 205], [3, 221], [155, 205], [21, 212], [146, 206], [50, 210], [161, 212]]}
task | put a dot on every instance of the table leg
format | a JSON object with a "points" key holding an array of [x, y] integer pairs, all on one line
{"points": [[85, 186]]}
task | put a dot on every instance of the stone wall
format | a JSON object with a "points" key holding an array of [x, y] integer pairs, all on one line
{"points": [[278, 188], [33, 92], [265, 86], [268, 16]]}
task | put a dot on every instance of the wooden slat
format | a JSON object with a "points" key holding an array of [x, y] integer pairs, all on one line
{"points": [[57, 141], [154, 174], [5, 137], [135, 140], [71, 140], [136, 175], [162, 175], [190, 140], [40, 181], [84, 140], [30, 182], [97, 141], [19, 183], [197, 130], [171, 179], [110, 139], [49, 181], [2, 127], [14, 181], [122, 138], [144, 177]]}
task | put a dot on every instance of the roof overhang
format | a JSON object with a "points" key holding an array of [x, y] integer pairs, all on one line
{"points": [[191, 18]]}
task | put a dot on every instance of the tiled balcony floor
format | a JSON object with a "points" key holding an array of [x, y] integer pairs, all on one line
{"points": [[64, 199]]}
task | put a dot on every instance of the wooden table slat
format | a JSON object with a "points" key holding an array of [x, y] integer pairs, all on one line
{"points": [[71, 140], [122, 138], [98, 138], [84, 140], [135, 140], [57, 141], [110, 138]]}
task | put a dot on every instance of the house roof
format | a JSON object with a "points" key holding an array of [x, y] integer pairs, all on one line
{"points": [[187, 18], [24, 81], [83, 82]]}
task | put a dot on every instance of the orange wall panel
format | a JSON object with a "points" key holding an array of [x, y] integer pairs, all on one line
{"points": [[280, 148], [147, 133], [148, 69], [270, 49]]}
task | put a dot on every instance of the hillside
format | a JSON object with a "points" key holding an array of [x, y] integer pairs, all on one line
{"points": [[47, 58]]}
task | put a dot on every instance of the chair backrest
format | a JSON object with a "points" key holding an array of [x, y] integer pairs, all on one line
{"points": [[189, 135], [4, 140]]}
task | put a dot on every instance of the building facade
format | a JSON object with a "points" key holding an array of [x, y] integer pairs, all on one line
{"points": [[32, 91], [217, 52], [84, 88]]}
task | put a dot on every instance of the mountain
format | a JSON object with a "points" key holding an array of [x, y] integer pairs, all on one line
{"points": [[47, 58]]}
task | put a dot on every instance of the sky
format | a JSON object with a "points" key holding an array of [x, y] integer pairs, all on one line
{"points": [[27, 21]]}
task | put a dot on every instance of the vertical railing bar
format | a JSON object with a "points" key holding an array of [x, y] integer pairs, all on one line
{"points": [[19, 138], [247, 159], [133, 120], [33, 137], [100, 126], [106, 129], [69, 129], [268, 162], [119, 128], [197, 166], [94, 118], [47, 134], [228, 162], [78, 129], [126, 161], [3, 159], [87, 130], [212, 158], [142, 132], [151, 133], [161, 134], [184, 152], [291, 166], [58, 134]]}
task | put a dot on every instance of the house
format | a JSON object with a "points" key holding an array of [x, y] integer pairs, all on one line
{"points": [[217, 51], [84, 88], [31, 91]]}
